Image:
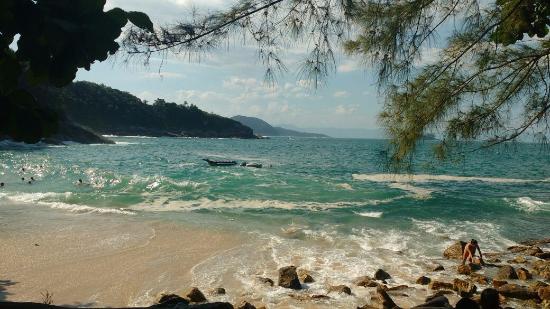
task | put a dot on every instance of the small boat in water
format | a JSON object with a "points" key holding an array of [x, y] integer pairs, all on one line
{"points": [[220, 163]]}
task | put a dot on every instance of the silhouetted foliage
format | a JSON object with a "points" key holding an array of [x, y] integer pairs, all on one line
{"points": [[54, 39], [110, 111]]}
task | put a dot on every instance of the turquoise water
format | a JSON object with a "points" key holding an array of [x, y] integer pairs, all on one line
{"points": [[326, 199]]}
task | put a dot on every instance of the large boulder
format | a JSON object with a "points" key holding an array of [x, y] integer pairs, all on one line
{"points": [[380, 274], [498, 283], [215, 305], [464, 288], [455, 251], [385, 300], [288, 278], [542, 268], [523, 274], [543, 255], [438, 267], [438, 301], [535, 286], [342, 289], [245, 305], [423, 280], [517, 291], [217, 291], [365, 281], [479, 278], [544, 293], [440, 285], [506, 272], [170, 300], [464, 269], [194, 295], [304, 276]]}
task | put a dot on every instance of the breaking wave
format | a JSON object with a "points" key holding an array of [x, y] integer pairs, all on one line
{"points": [[419, 178]]}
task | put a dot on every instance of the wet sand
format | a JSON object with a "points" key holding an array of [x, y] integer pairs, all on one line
{"points": [[99, 260]]}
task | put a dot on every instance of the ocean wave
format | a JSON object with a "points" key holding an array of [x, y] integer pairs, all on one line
{"points": [[370, 214], [419, 178], [164, 204], [417, 192], [528, 204], [38, 199], [127, 136]]}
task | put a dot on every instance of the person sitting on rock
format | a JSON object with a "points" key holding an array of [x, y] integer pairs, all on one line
{"points": [[470, 251]]}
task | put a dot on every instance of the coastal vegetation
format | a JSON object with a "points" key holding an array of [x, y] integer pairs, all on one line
{"points": [[263, 128], [110, 111], [489, 79]]}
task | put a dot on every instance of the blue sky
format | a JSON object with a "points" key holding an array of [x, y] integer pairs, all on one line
{"points": [[230, 81]]}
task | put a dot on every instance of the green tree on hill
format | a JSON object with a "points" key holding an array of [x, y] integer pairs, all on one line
{"points": [[54, 39], [491, 79]]}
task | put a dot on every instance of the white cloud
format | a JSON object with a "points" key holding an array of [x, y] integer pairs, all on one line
{"points": [[348, 66], [340, 94], [346, 109]]}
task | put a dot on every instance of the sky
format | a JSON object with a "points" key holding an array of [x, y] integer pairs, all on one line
{"points": [[230, 81]]}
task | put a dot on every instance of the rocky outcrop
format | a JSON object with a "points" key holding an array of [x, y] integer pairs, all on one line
{"points": [[544, 293], [481, 279], [423, 280], [266, 281], [455, 251], [288, 278], [365, 281], [440, 285], [342, 289], [170, 300], [438, 267], [385, 300], [542, 268], [498, 283], [517, 291], [380, 274], [304, 276], [194, 295], [464, 269], [439, 301], [506, 272], [245, 305], [464, 288], [523, 274]]}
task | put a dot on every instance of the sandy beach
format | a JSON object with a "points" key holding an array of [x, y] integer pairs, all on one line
{"points": [[98, 260]]}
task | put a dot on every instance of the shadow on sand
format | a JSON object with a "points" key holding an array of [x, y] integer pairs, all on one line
{"points": [[3, 285]]}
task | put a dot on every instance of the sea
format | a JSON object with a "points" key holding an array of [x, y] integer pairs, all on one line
{"points": [[331, 206]]}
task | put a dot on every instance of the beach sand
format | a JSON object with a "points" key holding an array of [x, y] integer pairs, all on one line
{"points": [[99, 260]]}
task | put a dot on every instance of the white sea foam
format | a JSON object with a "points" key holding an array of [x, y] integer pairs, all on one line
{"points": [[165, 204], [345, 186], [528, 204], [370, 214], [44, 199], [420, 193], [419, 178]]}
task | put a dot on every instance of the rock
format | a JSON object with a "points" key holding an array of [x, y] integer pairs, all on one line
{"points": [[455, 251], [440, 285], [535, 286], [380, 274], [340, 289], [398, 287], [216, 305], [438, 301], [464, 269], [423, 280], [194, 295], [306, 297], [304, 276], [365, 281], [438, 267], [498, 283], [367, 306], [266, 281], [385, 299], [217, 291], [520, 259], [517, 291], [536, 242], [543, 255], [542, 268], [481, 279], [544, 293], [464, 288], [506, 272], [288, 278], [533, 251], [245, 305], [170, 300], [523, 274]]}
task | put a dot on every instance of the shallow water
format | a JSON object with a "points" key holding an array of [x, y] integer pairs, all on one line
{"points": [[327, 205]]}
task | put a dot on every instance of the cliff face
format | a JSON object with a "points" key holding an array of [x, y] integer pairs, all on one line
{"points": [[109, 111]]}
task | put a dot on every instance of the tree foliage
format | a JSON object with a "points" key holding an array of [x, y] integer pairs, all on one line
{"points": [[491, 79], [54, 39]]}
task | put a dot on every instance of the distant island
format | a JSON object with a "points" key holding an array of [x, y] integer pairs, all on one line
{"points": [[87, 107], [262, 128]]}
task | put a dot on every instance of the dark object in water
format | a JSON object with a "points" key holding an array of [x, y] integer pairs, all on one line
{"points": [[220, 163], [256, 165]]}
